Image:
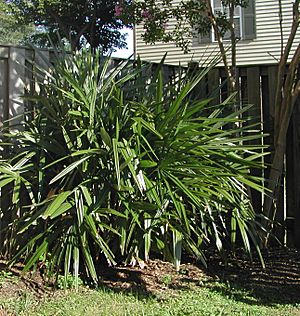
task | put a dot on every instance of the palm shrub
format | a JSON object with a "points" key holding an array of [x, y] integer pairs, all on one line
{"points": [[117, 164]]}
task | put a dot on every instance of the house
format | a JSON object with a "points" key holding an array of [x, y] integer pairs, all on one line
{"points": [[257, 26]]}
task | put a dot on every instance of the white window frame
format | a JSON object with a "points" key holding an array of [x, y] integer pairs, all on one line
{"points": [[240, 17], [246, 32]]}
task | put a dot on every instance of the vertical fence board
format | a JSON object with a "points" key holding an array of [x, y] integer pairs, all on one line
{"points": [[213, 83], [16, 83], [29, 85], [253, 93], [271, 88], [4, 108], [253, 97], [3, 90], [295, 178], [201, 89], [290, 181], [267, 119], [4, 96]]}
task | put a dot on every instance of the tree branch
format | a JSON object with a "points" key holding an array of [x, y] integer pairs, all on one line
{"points": [[228, 70], [282, 65]]}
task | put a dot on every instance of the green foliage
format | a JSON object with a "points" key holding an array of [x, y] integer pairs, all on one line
{"points": [[78, 22], [116, 165], [192, 17], [7, 276], [10, 31], [166, 279], [68, 282]]}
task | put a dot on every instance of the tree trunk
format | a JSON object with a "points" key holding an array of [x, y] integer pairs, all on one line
{"points": [[289, 92], [228, 69]]}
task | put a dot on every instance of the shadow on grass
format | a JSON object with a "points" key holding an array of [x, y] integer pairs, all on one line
{"points": [[124, 280], [150, 282], [239, 279], [17, 281], [278, 283]]}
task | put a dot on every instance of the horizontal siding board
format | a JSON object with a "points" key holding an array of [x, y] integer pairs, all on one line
{"points": [[264, 49]]}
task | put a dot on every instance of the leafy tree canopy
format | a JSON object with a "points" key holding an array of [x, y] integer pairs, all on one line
{"points": [[80, 22], [190, 17], [179, 22], [10, 32]]}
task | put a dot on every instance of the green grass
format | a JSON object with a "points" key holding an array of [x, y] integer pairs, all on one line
{"points": [[204, 300]]}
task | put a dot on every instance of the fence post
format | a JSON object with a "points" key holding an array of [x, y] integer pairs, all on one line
{"points": [[16, 83], [4, 108], [254, 98], [295, 173]]}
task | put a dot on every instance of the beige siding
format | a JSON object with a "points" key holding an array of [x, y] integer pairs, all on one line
{"points": [[264, 49]]}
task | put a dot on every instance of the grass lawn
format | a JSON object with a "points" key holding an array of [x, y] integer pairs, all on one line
{"points": [[238, 288], [198, 301]]}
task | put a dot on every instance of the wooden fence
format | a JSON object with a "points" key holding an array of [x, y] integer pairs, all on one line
{"points": [[257, 87]]}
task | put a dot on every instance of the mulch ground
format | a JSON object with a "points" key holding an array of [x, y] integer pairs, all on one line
{"points": [[279, 282]]}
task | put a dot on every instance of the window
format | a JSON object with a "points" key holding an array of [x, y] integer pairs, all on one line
{"points": [[218, 7], [244, 23]]}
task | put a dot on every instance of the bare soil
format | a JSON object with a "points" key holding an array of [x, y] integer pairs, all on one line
{"points": [[279, 282]]}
